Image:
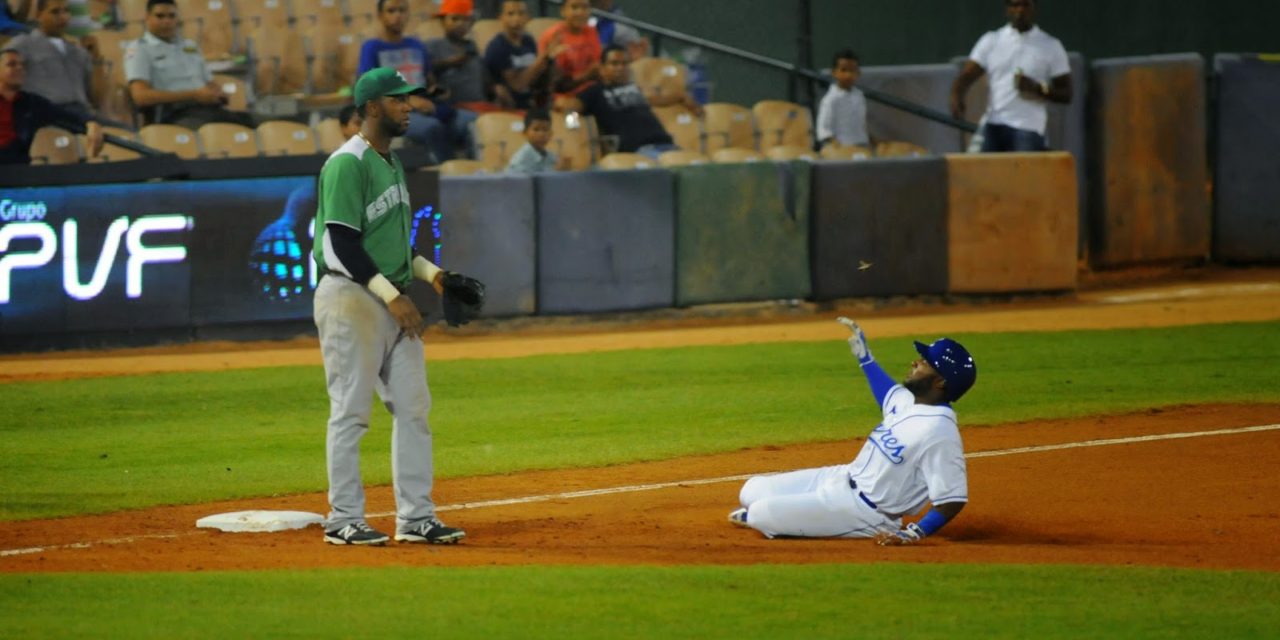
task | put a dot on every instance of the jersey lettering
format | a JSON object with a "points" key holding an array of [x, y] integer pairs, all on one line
{"points": [[394, 195], [887, 443]]}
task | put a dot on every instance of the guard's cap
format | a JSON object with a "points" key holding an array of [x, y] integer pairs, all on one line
{"points": [[952, 362], [383, 81]]}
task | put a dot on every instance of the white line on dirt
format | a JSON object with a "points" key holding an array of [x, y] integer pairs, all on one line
{"points": [[1189, 292], [569, 495]]}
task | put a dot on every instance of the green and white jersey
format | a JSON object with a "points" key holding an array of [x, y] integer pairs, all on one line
{"points": [[361, 190]]}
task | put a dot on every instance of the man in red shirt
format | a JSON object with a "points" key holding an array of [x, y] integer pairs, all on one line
{"points": [[578, 64], [22, 114]]}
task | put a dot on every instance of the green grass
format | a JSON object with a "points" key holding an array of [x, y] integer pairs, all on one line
{"points": [[764, 601], [104, 444]]}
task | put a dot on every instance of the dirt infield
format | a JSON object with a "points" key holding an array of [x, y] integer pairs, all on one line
{"points": [[1202, 501]]}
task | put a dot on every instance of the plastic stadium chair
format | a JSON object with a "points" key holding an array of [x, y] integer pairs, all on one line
{"points": [[498, 136], [427, 29], [53, 145], [731, 155], [329, 134], [659, 77], [279, 60], [112, 153], [685, 127], [624, 161], [783, 123], [484, 31], [310, 14], [537, 26], [784, 153], [286, 138], [837, 151], [171, 138], [463, 167], [573, 137], [254, 14], [226, 140], [211, 24], [897, 149], [682, 158], [728, 125], [237, 90]]}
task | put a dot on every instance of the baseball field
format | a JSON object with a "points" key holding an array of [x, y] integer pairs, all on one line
{"points": [[1122, 452]]}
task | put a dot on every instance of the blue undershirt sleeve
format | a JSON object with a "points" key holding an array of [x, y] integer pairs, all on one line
{"points": [[880, 381]]}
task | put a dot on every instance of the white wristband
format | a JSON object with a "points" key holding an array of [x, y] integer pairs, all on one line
{"points": [[423, 269], [382, 287]]}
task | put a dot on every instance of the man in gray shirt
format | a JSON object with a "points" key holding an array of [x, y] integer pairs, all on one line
{"points": [[458, 64], [59, 70], [168, 79]]}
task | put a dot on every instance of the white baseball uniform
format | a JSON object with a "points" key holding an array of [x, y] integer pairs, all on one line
{"points": [[912, 458]]}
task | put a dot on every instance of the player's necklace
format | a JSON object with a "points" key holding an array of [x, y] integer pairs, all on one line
{"points": [[375, 150]]}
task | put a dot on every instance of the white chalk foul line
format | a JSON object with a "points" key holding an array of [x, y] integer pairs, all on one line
{"points": [[569, 495], [1188, 292]]}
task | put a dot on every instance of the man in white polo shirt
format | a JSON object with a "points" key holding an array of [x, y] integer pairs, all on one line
{"points": [[1028, 68]]}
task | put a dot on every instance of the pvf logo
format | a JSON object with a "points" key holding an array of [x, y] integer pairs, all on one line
{"points": [[132, 232]]}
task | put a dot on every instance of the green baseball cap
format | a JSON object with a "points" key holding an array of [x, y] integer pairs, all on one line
{"points": [[383, 81]]}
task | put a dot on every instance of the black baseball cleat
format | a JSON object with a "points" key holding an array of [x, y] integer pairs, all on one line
{"points": [[431, 531], [357, 533]]}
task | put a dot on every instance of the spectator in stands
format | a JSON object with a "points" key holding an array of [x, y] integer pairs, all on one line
{"points": [[578, 64], [512, 58], [534, 157], [168, 79], [611, 32], [458, 64], [621, 110], [349, 121], [58, 69], [433, 122], [842, 114], [1028, 68], [11, 19], [22, 114]]}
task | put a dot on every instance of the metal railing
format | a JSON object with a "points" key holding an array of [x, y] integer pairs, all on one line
{"points": [[796, 71]]}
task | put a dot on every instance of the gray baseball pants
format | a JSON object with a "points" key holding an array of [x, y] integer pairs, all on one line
{"points": [[365, 352]]}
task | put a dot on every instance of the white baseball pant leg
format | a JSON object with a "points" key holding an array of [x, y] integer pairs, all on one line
{"points": [[402, 385], [810, 503]]}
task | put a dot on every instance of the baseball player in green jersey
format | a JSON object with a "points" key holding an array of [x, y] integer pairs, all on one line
{"points": [[369, 329]]}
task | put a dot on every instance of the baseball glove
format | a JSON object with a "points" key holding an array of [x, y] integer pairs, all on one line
{"points": [[463, 298]]}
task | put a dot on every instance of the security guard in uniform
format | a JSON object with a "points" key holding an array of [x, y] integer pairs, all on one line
{"points": [[167, 76]]}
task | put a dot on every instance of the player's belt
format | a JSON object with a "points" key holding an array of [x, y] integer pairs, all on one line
{"points": [[339, 274], [853, 484]]}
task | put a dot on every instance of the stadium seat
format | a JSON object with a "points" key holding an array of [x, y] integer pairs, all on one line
{"points": [[498, 136], [659, 77], [134, 11], [335, 58], [728, 125], [255, 14], [329, 135], [279, 62], [573, 140], [427, 29], [730, 155], [286, 138], [685, 127], [308, 15], [682, 158], [210, 23], [837, 151], [171, 138], [112, 153], [237, 90], [462, 167], [896, 149], [783, 123], [622, 161], [484, 31], [538, 25], [112, 44], [422, 10], [226, 140], [783, 153], [53, 145]]}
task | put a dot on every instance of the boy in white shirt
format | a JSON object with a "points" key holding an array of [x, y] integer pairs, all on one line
{"points": [[1028, 68], [534, 157], [842, 114]]}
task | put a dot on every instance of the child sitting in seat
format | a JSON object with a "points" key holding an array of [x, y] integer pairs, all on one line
{"points": [[533, 157]]}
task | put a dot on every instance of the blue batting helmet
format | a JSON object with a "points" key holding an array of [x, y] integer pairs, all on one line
{"points": [[953, 363]]}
